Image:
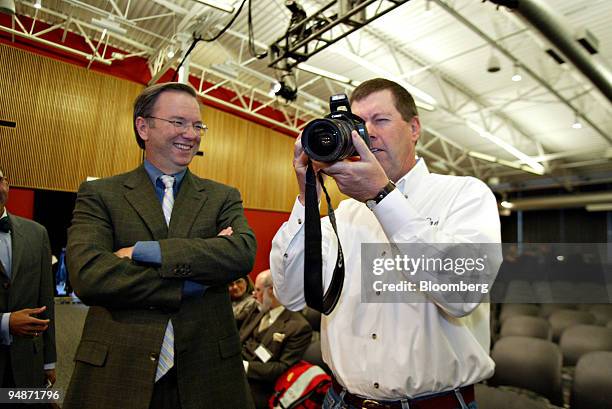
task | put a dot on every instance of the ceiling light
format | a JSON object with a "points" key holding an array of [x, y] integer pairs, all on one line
{"points": [[109, 24], [577, 124], [38, 4], [493, 65], [323, 73], [7, 6], [170, 53], [535, 165], [416, 92], [516, 76], [599, 207], [506, 204]]}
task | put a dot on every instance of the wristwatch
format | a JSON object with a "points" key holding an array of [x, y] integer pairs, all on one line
{"points": [[371, 203]]}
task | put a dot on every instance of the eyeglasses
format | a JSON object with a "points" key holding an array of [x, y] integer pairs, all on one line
{"points": [[182, 125]]}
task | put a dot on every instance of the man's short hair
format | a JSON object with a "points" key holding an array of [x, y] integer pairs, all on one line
{"points": [[403, 101], [145, 102]]}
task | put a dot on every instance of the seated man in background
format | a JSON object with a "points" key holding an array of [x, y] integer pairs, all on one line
{"points": [[273, 339], [240, 292]]}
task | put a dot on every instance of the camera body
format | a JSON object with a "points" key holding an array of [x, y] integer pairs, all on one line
{"points": [[329, 139]]}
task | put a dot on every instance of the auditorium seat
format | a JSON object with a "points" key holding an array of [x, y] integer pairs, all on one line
{"points": [[546, 310], [581, 339], [499, 398], [511, 310], [592, 387], [314, 356], [602, 313], [313, 317], [527, 326], [563, 319], [529, 363]]}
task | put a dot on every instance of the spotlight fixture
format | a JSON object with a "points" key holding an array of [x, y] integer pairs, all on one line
{"points": [[7, 6], [286, 87], [493, 65], [516, 76], [577, 124], [286, 92], [274, 88], [170, 53], [38, 4]]}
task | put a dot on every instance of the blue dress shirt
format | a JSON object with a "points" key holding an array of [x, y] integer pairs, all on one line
{"points": [[149, 252]]}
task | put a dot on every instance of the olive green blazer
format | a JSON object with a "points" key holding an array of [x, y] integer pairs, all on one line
{"points": [[131, 303]]}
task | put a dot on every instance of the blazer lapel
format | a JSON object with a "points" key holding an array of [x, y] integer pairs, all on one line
{"points": [[141, 196], [249, 326], [187, 206], [18, 245]]}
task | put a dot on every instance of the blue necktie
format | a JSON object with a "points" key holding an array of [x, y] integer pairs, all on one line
{"points": [[166, 355]]}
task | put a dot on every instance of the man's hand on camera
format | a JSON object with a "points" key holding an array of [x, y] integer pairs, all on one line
{"points": [[360, 179], [300, 164]]}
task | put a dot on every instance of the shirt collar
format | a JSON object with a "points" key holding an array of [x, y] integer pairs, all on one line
{"points": [[155, 173], [275, 312], [410, 179], [5, 214]]}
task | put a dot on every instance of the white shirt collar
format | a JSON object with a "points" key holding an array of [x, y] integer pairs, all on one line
{"points": [[418, 171], [4, 214], [275, 312]]}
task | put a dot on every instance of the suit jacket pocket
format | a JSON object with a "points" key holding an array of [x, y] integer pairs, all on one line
{"points": [[229, 346], [92, 352]]}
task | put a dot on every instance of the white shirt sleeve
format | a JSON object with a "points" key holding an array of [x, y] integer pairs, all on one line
{"points": [[5, 335], [472, 218]]}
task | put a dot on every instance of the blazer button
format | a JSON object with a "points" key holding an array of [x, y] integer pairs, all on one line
{"points": [[153, 356]]}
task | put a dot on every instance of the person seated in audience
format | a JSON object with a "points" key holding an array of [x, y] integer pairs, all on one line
{"points": [[273, 339], [240, 292]]}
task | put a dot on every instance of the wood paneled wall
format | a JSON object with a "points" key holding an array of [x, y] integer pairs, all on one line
{"points": [[73, 123]]}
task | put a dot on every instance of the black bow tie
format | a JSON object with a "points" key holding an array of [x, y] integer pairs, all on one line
{"points": [[5, 225]]}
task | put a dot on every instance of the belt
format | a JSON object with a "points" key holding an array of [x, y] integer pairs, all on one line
{"points": [[442, 400]]}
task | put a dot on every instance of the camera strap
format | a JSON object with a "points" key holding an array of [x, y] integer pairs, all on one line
{"points": [[313, 263]]}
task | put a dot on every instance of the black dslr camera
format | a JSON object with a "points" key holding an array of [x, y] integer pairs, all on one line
{"points": [[329, 139]]}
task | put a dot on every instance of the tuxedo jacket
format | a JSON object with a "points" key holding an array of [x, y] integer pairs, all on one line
{"points": [[286, 340], [130, 304], [30, 286]]}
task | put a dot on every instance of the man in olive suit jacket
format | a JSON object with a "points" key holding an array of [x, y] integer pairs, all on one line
{"points": [[152, 251]]}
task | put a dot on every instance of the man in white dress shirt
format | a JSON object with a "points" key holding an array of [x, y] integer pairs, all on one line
{"points": [[392, 355]]}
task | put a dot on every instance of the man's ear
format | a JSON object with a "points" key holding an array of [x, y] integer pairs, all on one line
{"points": [[142, 126], [415, 127]]}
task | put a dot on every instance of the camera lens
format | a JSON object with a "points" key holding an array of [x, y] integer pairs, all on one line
{"points": [[327, 140]]}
